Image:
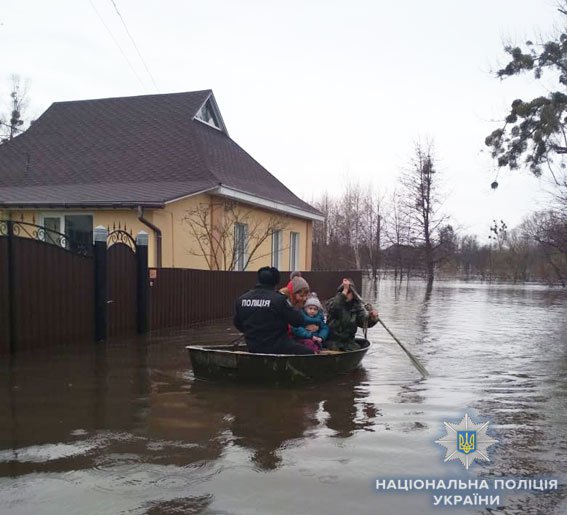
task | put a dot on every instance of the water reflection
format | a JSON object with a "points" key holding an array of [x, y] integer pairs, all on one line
{"points": [[124, 427], [267, 421], [349, 408], [112, 407]]}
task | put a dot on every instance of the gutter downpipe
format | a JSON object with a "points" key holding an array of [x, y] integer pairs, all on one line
{"points": [[157, 232]]}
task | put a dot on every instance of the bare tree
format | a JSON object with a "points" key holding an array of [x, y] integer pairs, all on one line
{"points": [[422, 204], [13, 124], [398, 233], [468, 250], [446, 251], [371, 230], [327, 250], [549, 230], [336, 240], [353, 203], [228, 235]]}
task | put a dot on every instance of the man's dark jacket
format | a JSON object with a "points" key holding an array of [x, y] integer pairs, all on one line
{"points": [[263, 315]]}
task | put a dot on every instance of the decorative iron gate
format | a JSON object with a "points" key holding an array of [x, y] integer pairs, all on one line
{"points": [[46, 286]]}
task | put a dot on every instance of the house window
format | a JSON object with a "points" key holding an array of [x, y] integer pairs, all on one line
{"points": [[294, 251], [78, 230], [277, 238], [240, 243], [52, 225], [209, 115]]}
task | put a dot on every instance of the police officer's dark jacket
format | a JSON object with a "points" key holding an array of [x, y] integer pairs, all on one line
{"points": [[263, 315]]}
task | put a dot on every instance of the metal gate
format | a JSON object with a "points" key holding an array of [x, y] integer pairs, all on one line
{"points": [[46, 286], [121, 283]]}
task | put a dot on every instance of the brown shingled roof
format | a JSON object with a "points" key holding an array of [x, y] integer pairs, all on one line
{"points": [[128, 151]]}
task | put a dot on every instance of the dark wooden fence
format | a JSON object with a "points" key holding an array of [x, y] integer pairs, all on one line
{"points": [[49, 285], [45, 295], [181, 297], [53, 293]]}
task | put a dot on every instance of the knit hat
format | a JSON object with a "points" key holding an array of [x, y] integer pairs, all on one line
{"points": [[313, 300], [268, 276], [299, 283], [295, 273]]}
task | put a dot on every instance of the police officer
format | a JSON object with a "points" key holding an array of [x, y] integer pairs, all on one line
{"points": [[263, 315]]}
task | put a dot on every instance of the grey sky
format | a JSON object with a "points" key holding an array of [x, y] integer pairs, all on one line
{"points": [[315, 91]]}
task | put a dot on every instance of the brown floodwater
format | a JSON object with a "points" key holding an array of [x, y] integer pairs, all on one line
{"points": [[125, 428]]}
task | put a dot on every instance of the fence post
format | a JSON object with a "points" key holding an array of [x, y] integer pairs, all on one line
{"points": [[142, 282], [100, 235], [11, 287]]}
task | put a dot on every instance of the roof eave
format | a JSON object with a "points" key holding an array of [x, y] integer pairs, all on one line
{"points": [[78, 205], [272, 205]]}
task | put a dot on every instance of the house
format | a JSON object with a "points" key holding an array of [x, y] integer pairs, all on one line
{"points": [[164, 164]]}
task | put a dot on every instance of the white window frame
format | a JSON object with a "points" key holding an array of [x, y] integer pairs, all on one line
{"points": [[199, 118], [277, 244], [240, 260], [61, 216], [294, 251], [215, 108]]}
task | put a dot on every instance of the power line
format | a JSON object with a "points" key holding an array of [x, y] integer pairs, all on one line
{"points": [[118, 45], [135, 46]]}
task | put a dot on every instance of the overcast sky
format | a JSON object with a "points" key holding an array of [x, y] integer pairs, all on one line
{"points": [[316, 91]]}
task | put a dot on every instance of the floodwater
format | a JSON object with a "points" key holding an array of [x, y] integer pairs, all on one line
{"points": [[125, 428]]}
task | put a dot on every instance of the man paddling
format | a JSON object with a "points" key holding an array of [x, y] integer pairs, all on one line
{"points": [[263, 315], [346, 312]]}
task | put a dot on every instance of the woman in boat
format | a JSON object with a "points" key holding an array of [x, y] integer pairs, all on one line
{"points": [[296, 291], [346, 312], [263, 315]]}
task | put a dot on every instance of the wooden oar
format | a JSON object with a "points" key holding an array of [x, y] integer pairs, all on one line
{"points": [[421, 369]]}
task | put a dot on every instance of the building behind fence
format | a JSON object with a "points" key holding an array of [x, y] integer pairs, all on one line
{"points": [[54, 291]]}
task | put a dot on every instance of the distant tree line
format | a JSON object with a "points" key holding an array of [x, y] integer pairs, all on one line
{"points": [[536, 250], [363, 230], [405, 233]]}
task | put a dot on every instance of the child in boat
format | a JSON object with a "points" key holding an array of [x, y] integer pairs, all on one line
{"points": [[346, 312], [314, 330]]}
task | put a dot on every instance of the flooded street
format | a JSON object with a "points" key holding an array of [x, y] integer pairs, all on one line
{"points": [[125, 427]]}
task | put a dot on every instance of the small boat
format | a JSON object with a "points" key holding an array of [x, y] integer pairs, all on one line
{"points": [[233, 362]]}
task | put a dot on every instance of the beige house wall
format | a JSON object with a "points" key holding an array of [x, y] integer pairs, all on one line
{"points": [[184, 251], [180, 248]]}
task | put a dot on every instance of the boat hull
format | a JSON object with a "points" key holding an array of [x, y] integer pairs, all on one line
{"points": [[233, 363]]}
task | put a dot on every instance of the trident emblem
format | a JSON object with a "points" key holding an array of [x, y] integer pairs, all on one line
{"points": [[466, 441]]}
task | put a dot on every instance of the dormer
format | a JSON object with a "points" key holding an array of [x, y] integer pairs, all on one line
{"points": [[209, 114]]}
